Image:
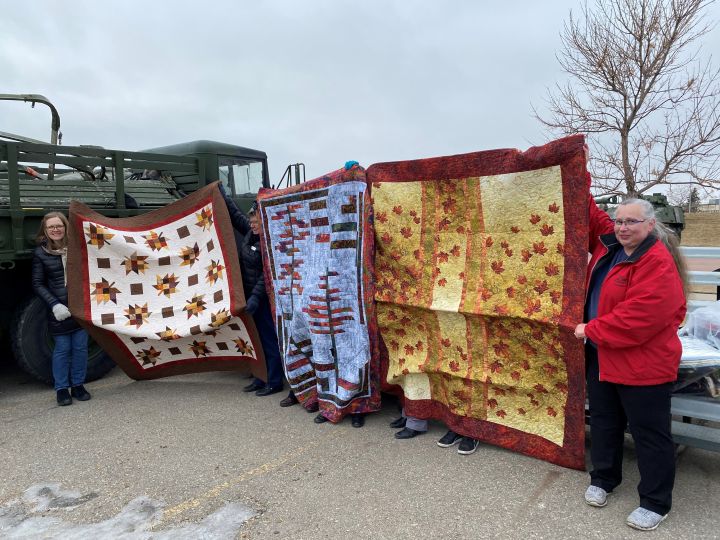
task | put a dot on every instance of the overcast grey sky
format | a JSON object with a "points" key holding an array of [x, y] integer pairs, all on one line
{"points": [[319, 82]]}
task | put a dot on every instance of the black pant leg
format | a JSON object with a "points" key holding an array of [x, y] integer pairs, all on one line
{"points": [[648, 412], [607, 426], [268, 338]]}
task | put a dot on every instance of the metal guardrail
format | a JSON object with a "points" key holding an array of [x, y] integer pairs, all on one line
{"points": [[698, 277]]}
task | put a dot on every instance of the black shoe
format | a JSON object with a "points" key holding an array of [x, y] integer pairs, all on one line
{"points": [[315, 407], [408, 433], [320, 419], [289, 401], [468, 446], [269, 390], [449, 439], [79, 393], [63, 397], [253, 387], [358, 420], [398, 423]]}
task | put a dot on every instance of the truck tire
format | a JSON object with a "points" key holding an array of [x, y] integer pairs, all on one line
{"points": [[33, 344]]}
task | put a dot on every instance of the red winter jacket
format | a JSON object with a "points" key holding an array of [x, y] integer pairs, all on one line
{"points": [[641, 306]]}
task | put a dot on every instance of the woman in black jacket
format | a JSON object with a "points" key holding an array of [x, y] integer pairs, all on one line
{"points": [[49, 280], [257, 303]]}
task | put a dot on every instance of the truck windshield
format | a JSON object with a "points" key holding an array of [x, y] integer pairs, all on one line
{"points": [[241, 176]]}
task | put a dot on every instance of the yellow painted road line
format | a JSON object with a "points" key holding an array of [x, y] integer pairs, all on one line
{"points": [[215, 491]]}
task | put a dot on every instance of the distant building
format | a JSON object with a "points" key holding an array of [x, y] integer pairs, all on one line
{"points": [[713, 205]]}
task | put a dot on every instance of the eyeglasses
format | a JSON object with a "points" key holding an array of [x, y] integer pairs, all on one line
{"points": [[628, 222], [55, 227]]}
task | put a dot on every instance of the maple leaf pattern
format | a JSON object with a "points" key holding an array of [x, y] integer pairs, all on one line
{"points": [[539, 248], [104, 292], [534, 219], [148, 356], [554, 208], [136, 263], [199, 348], [497, 267], [137, 315], [531, 306], [406, 232], [204, 218], [155, 241], [98, 235], [547, 230], [525, 255], [552, 269], [514, 229], [195, 306], [166, 284], [219, 318], [214, 272], [540, 286], [189, 255], [449, 205], [168, 334], [243, 347], [501, 310]]}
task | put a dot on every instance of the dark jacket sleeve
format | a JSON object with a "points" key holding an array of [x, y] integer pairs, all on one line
{"points": [[39, 282], [238, 218], [259, 289]]}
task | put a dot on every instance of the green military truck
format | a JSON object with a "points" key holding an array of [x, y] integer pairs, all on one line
{"points": [[37, 177]]}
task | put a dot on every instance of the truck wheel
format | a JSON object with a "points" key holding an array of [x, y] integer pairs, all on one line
{"points": [[33, 344]]}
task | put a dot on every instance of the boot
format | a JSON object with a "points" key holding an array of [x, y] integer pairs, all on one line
{"points": [[79, 393], [63, 397]]}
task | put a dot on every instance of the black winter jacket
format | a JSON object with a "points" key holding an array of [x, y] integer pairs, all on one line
{"points": [[48, 281], [251, 262]]}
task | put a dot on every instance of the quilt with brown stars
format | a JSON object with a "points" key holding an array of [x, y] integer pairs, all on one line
{"points": [[162, 292], [480, 265], [317, 246]]}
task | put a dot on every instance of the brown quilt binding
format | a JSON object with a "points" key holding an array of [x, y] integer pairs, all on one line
{"points": [[79, 292], [568, 153]]}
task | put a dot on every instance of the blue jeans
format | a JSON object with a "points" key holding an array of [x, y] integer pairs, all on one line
{"points": [[69, 359]]}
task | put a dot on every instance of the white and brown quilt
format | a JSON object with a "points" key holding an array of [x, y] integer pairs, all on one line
{"points": [[162, 292]]}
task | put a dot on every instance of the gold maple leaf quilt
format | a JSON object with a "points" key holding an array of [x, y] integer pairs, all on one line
{"points": [[162, 292], [480, 262]]}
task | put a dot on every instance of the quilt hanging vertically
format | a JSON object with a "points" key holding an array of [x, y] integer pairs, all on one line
{"points": [[480, 265], [162, 292], [318, 245]]}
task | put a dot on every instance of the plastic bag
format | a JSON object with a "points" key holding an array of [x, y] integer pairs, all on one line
{"points": [[704, 324]]}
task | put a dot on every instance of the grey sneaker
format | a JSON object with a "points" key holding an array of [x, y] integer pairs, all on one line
{"points": [[644, 519], [468, 446], [449, 439], [596, 496]]}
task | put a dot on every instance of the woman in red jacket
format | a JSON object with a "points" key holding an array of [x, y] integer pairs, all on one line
{"points": [[635, 304]]}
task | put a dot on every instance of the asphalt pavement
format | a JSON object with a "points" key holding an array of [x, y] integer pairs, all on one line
{"points": [[193, 456]]}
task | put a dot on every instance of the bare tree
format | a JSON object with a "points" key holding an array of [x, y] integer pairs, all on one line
{"points": [[685, 196], [639, 88]]}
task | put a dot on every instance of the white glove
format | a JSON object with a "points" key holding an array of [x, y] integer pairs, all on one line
{"points": [[60, 312]]}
